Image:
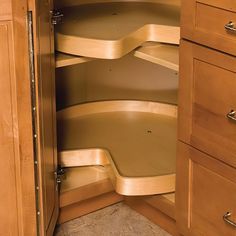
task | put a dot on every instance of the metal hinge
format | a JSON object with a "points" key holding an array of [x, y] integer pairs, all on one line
{"points": [[56, 17], [33, 87], [60, 174]]}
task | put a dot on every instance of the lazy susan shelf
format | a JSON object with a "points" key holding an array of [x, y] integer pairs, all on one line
{"points": [[134, 140], [162, 54], [111, 30], [63, 59]]}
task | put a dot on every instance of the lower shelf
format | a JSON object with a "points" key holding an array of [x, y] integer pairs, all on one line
{"points": [[63, 60], [134, 140]]}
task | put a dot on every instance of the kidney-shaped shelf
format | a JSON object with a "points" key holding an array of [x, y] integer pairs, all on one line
{"points": [[134, 140], [111, 30]]}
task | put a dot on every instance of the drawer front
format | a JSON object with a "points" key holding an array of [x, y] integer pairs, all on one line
{"points": [[207, 94], [205, 22], [206, 191]]}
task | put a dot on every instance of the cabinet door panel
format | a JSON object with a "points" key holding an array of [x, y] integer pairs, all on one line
{"points": [[45, 77], [8, 192], [207, 95], [210, 192], [204, 21]]}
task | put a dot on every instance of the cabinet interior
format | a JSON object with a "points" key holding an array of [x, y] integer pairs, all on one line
{"points": [[128, 98]]}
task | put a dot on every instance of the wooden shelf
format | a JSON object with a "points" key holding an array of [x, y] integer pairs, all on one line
{"points": [[82, 176], [111, 30], [63, 59], [162, 54], [134, 140], [170, 197]]}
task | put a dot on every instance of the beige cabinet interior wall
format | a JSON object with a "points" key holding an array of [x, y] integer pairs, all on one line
{"points": [[125, 78], [63, 3]]}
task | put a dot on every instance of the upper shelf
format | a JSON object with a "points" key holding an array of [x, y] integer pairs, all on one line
{"points": [[162, 54], [111, 30]]}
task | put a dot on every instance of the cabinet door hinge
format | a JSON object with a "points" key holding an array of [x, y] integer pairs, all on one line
{"points": [[56, 17], [60, 174]]}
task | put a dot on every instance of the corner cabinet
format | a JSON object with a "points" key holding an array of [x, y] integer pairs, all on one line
{"points": [[142, 78]]}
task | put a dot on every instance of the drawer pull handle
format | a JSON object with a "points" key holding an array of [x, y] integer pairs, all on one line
{"points": [[232, 115], [227, 220], [230, 27]]}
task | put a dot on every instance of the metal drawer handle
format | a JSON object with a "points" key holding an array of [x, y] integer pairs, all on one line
{"points": [[230, 27], [232, 115], [227, 220]]}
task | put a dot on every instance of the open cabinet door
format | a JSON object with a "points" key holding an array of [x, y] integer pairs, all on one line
{"points": [[43, 32]]}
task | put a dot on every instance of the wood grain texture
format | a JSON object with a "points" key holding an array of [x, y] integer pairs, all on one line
{"points": [[84, 207], [8, 195], [207, 95], [5, 10], [16, 86], [24, 119], [122, 152], [112, 30], [203, 203], [203, 22]]}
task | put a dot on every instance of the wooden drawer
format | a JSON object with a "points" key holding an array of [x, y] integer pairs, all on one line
{"points": [[207, 94], [204, 21], [206, 191]]}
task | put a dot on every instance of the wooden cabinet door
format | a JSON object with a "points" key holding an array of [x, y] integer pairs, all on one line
{"points": [[206, 98], [210, 22], [205, 192], [46, 119], [17, 194], [8, 192]]}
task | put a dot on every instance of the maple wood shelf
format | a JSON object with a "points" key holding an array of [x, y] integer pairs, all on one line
{"points": [[134, 140], [63, 60], [111, 30], [162, 54]]}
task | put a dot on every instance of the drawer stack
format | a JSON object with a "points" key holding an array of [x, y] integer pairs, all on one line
{"points": [[206, 162]]}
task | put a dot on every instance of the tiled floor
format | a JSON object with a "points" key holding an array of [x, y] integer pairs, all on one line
{"points": [[116, 220]]}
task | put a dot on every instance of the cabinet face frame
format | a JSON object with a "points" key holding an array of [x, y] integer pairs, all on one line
{"points": [[206, 95], [203, 21]]}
